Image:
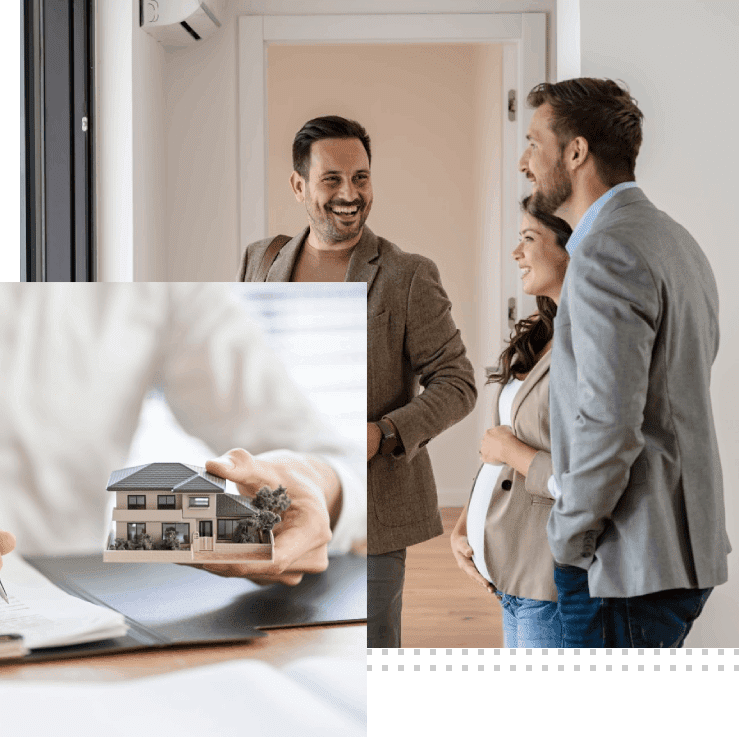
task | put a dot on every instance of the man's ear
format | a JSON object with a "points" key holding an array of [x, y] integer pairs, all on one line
{"points": [[298, 185], [576, 153]]}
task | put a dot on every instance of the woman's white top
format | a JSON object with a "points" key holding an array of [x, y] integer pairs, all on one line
{"points": [[482, 492]]}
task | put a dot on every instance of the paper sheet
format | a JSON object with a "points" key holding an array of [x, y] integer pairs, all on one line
{"points": [[313, 697], [46, 616]]}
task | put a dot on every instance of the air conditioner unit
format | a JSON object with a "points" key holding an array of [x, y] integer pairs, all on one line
{"points": [[179, 23]]}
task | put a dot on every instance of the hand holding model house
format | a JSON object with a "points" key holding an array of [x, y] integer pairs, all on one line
{"points": [[179, 513], [302, 537]]}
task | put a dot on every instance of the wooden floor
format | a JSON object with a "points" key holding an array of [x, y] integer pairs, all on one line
{"points": [[442, 607]]}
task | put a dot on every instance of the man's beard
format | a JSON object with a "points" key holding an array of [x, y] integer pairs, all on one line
{"points": [[554, 191], [321, 220]]}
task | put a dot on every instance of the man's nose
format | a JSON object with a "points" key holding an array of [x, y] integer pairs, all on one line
{"points": [[348, 191], [523, 162]]}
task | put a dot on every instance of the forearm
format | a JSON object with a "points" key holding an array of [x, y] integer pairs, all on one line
{"points": [[518, 455]]}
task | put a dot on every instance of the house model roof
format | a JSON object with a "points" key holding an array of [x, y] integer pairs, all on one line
{"points": [[179, 477], [231, 505]]}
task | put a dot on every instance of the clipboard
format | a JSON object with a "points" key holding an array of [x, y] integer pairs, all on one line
{"points": [[168, 605]]}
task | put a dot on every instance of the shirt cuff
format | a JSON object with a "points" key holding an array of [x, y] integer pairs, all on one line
{"points": [[553, 487]]}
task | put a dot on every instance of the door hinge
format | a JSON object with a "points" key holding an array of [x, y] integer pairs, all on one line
{"points": [[511, 312], [84, 124], [511, 104]]}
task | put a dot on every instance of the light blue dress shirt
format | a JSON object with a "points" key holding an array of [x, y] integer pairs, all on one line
{"points": [[581, 230]]}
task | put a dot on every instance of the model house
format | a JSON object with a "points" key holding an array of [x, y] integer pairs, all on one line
{"points": [[175, 512]]}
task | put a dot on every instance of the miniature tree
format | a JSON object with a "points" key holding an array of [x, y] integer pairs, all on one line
{"points": [[274, 500], [169, 540], [246, 531]]}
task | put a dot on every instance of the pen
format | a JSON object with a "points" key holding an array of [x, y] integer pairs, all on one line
{"points": [[3, 594]]}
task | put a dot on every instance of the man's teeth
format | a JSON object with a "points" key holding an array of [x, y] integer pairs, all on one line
{"points": [[525, 270], [345, 210]]}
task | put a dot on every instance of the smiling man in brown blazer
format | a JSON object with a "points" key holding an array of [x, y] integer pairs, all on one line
{"points": [[412, 342]]}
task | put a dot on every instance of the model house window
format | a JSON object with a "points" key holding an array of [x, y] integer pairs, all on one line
{"points": [[181, 530], [135, 529], [199, 501], [165, 501], [206, 528], [136, 501], [226, 528]]}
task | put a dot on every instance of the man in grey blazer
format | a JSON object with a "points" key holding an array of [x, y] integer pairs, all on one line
{"points": [[637, 530], [412, 341]]}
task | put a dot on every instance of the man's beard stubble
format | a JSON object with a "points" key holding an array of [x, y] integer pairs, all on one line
{"points": [[553, 192], [321, 221]]}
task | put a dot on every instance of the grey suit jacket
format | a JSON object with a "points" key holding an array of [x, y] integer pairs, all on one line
{"points": [[517, 553], [412, 341], [633, 442]]}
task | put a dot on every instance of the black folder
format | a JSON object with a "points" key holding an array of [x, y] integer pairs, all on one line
{"points": [[171, 605]]}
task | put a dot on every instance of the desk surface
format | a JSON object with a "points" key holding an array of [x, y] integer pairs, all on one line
{"points": [[279, 647]]}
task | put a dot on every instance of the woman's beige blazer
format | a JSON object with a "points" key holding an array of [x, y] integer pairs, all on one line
{"points": [[516, 548]]}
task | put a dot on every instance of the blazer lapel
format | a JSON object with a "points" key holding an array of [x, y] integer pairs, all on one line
{"points": [[530, 382], [284, 262], [363, 263]]}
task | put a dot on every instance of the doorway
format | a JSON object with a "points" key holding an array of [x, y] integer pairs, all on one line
{"points": [[480, 217]]}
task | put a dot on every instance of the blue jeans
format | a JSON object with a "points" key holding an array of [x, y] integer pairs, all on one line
{"points": [[385, 578], [529, 622], [661, 619]]}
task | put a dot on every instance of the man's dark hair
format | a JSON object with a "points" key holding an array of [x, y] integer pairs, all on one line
{"points": [[329, 126], [601, 111]]}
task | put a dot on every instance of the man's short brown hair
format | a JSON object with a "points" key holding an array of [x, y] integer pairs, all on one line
{"points": [[601, 111]]}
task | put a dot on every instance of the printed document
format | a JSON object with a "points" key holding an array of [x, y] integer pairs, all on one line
{"points": [[46, 616]]}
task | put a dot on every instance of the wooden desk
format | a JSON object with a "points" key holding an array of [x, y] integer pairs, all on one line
{"points": [[279, 647]]}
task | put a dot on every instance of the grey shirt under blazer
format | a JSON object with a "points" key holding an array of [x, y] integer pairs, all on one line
{"points": [[517, 553], [633, 441], [412, 342]]}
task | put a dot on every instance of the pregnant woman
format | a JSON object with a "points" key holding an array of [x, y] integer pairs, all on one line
{"points": [[500, 539]]}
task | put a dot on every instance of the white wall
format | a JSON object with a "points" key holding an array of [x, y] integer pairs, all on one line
{"points": [[201, 211], [113, 127], [680, 61], [150, 236]]}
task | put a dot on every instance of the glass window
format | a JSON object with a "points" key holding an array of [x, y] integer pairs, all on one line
{"points": [[199, 501], [226, 528], [136, 501], [135, 529], [182, 530], [165, 501]]}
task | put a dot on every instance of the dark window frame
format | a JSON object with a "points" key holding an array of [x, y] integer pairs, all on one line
{"points": [[182, 536], [138, 528], [223, 522], [192, 499], [166, 504], [57, 154], [139, 501]]}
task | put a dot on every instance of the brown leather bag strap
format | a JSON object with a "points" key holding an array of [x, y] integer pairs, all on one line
{"points": [[270, 255]]}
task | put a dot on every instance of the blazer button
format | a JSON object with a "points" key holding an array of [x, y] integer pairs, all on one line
{"points": [[507, 485]]}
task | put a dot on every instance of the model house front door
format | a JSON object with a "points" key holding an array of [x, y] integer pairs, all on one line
{"points": [[205, 529]]}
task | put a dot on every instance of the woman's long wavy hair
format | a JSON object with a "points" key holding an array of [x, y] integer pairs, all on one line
{"points": [[531, 334]]}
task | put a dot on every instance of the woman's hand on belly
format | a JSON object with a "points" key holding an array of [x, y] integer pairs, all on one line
{"points": [[463, 553]]}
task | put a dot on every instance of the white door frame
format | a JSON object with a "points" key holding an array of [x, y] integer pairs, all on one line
{"points": [[523, 36]]}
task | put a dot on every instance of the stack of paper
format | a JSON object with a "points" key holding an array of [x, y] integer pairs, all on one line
{"points": [[46, 616]]}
